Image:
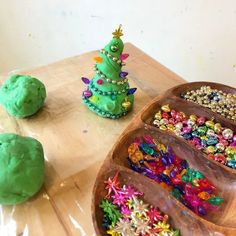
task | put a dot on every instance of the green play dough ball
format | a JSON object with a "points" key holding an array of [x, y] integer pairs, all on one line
{"points": [[21, 168], [22, 95]]}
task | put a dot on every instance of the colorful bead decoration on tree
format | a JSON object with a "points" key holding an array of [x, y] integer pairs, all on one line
{"points": [[124, 56], [109, 85], [108, 80], [87, 93], [85, 80], [218, 142], [126, 214], [98, 59], [216, 100], [152, 159]]}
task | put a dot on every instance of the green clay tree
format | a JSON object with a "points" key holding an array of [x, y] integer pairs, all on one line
{"points": [[108, 93]]}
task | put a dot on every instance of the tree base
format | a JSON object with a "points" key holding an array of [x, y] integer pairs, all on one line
{"points": [[100, 112]]}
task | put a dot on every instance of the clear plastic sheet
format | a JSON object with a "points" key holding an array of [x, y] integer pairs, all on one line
{"points": [[75, 142]]}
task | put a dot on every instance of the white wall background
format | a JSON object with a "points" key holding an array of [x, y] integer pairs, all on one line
{"points": [[194, 38]]}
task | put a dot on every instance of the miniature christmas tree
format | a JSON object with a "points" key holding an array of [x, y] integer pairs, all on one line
{"points": [[108, 94]]}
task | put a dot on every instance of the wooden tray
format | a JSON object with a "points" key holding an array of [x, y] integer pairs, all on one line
{"points": [[175, 91], [223, 222]]}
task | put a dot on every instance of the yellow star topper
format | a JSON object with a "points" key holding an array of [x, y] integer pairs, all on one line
{"points": [[118, 32]]}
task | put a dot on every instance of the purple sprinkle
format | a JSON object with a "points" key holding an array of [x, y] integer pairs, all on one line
{"points": [[123, 74], [131, 91], [201, 210], [85, 80], [173, 174], [144, 169]]}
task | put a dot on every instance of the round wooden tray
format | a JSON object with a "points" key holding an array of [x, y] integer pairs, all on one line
{"points": [[223, 222]]}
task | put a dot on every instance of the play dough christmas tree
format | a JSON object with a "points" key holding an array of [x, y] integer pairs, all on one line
{"points": [[108, 93]]}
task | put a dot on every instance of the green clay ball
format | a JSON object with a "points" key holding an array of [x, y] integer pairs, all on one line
{"points": [[22, 95], [21, 168]]}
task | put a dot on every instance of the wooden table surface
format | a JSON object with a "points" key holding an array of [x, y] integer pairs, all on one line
{"points": [[75, 141]]}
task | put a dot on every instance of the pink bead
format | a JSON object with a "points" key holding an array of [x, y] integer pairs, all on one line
{"points": [[201, 120], [199, 146], [148, 139], [196, 141], [188, 187], [87, 93], [173, 113], [138, 140], [179, 117], [233, 144], [207, 205], [165, 115], [234, 138], [195, 201], [99, 81], [224, 142], [171, 121], [196, 190], [186, 130]]}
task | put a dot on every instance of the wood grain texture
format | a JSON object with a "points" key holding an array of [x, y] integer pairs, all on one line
{"points": [[224, 178], [75, 141]]}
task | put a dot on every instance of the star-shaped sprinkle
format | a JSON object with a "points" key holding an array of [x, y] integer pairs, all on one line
{"points": [[125, 214], [153, 232], [119, 199], [112, 184], [139, 206], [171, 233], [111, 211], [129, 191], [124, 227], [141, 226], [154, 215], [125, 211], [113, 233], [106, 222], [165, 227], [130, 203]]}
